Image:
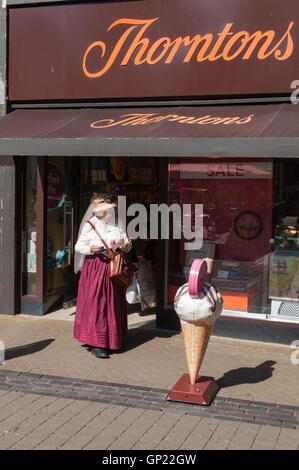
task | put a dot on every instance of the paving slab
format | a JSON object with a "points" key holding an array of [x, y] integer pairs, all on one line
{"points": [[54, 394], [153, 358]]}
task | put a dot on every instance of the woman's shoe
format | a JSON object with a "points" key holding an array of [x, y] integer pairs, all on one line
{"points": [[99, 352]]}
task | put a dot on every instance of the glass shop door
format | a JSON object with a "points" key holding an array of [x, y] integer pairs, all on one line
{"points": [[61, 281]]}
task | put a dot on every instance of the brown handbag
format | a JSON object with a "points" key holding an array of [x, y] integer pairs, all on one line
{"points": [[120, 269]]}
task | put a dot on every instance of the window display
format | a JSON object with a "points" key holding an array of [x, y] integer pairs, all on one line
{"points": [[250, 231], [284, 262], [237, 227]]}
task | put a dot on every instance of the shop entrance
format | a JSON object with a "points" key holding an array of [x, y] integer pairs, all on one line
{"points": [[62, 214], [72, 182]]}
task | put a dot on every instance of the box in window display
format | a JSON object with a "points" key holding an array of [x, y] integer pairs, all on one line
{"points": [[238, 283]]}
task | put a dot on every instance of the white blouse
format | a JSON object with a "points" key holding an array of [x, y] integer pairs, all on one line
{"points": [[113, 235]]}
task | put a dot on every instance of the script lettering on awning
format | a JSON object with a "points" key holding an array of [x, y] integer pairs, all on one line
{"points": [[134, 47], [136, 119]]}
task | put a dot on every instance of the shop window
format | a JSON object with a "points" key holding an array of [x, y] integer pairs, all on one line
{"points": [[284, 261], [250, 232], [237, 228]]}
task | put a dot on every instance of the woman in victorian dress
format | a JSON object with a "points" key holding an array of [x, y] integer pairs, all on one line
{"points": [[101, 314]]}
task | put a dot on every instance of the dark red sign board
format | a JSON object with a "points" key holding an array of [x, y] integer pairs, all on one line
{"points": [[153, 48], [56, 187]]}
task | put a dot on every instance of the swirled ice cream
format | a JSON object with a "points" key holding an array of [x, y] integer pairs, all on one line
{"points": [[202, 311]]}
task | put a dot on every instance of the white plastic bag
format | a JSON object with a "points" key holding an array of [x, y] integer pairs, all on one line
{"points": [[132, 292], [147, 284]]}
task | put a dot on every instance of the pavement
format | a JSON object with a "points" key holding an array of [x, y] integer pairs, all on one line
{"points": [[54, 394]]}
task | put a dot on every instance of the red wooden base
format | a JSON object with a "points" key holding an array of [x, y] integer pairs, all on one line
{"points": [[202, 393]]}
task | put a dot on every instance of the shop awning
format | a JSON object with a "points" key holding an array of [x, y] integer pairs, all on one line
{"points": [[261, 130]]}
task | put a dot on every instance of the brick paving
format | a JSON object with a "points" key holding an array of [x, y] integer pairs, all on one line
{"points": [[130, 396], [151, 358], [53, 422], [51, 396]]}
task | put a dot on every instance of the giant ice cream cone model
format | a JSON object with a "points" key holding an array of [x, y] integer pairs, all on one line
{"points": [[197, 304], [196, 338]]}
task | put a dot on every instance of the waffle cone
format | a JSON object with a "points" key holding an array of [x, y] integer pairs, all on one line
{"points": [[196, 339]]}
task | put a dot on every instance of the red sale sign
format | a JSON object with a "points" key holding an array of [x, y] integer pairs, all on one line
{"points": [[237, 205]]}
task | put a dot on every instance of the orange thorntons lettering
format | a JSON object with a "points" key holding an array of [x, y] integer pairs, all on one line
{"points": [[133, 46]]}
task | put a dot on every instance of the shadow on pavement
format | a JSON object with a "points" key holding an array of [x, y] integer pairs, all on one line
{"points": [[139, 335], [136, 308], [26, 349], [247, 375]]}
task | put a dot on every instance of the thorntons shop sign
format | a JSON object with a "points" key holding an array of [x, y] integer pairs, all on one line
{"points": [[226, 45], [153, 48]]}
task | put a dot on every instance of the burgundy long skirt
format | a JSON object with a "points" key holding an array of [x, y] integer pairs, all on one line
{"points": [[101, 313]]}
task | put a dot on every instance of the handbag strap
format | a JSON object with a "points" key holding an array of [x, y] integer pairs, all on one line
{"points": [[103, 241]]}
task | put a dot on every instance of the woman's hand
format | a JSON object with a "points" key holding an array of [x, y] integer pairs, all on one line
{"points": [[95, 249]]}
